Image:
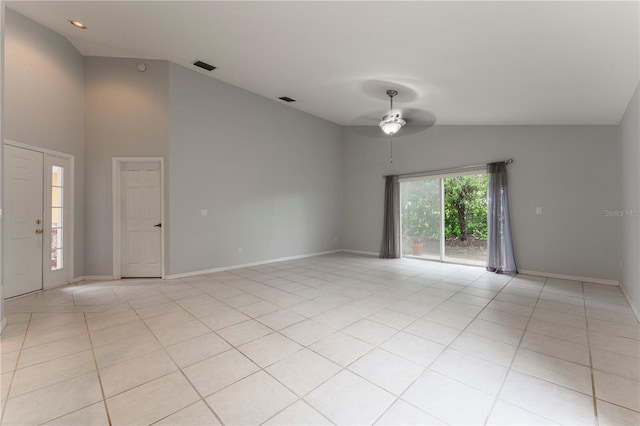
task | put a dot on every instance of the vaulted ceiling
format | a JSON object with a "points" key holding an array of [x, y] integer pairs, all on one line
{"points": [[512, 62]]}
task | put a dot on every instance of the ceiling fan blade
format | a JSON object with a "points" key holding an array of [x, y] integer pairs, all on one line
{"points": [[370, 119], [376, 133], [408, 130], [368, 131], [417, 117]]}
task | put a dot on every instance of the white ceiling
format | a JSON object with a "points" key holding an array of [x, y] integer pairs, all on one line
{"points": [[464, 62]]}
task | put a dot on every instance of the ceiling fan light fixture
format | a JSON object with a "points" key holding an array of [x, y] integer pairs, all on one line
{"points": [[391, 123]]}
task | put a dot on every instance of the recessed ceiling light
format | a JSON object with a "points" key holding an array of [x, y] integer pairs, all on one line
{"points": [[78, 24]]}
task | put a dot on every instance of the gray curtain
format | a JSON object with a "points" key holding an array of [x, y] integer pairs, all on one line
{"points": [[500, 258], [391, 232]]}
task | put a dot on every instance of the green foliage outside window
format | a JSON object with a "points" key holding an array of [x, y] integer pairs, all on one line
{"points": [[465, 208], [421, 209]]}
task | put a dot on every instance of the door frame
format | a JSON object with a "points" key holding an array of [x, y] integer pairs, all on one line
{"points": [[116, 168], [71, 194]]}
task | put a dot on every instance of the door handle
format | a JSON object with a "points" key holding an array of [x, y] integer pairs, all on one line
{"points": [[159, 225], [39, 231]]}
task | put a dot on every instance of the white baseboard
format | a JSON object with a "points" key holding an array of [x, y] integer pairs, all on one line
{"points": [[525, 272], [246, 265], [94, 278], [569, 277], [366, 253], [634, 308]]}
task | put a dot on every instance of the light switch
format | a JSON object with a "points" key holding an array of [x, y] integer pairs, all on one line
{"points": [[538, 210], [204, 212]]}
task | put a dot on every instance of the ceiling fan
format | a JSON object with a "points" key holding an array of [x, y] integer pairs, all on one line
{"points": [[391, 122]]}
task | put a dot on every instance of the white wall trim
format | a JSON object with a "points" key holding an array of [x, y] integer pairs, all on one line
{"points": [[634, 308], [247, 265], [569, 277], [92, 278], [366, 253], [116, 166], [36, 148], [95, 278], [72, 200], [523, 272]]}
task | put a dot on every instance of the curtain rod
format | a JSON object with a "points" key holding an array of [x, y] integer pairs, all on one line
{"points": [[444, 171]]}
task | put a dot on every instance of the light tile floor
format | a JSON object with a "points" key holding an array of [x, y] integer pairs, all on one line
{"points": [[336, 339]]}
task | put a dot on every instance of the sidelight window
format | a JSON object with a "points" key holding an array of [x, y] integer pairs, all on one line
{"points": [[57, 225]]}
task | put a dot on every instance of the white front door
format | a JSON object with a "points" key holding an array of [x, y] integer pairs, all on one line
{"points": [[23, 221], [38, 220], [141, 220]]}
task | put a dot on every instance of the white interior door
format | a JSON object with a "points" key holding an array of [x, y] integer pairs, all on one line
{"points": [[141, 220], [23, 221]]}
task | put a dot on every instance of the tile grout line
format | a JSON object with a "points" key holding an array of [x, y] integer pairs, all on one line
{"points": [[342, 368], [426, 368], [164, 349], [591, 375], [174, 363], [232, 347], [263, 369], [95, 361], [15, 369], [510, 368]]}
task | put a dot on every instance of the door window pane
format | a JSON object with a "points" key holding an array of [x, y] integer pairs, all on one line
{"points": [[57, 209], [421, 220], [56, 196], [465, 219]]}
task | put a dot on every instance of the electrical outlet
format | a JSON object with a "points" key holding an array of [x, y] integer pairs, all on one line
{"points": [[240, 250], [538, 210], [335, 239], [204, 212]]}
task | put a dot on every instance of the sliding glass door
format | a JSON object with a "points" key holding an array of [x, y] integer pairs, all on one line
{"points": [[445, 218]]}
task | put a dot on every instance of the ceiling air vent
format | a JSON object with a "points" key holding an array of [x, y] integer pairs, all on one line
{"points": [[204, 65], [286, 99]]}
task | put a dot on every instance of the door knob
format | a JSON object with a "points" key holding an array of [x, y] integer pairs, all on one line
{"points": [[39, 231], [158, 225]]}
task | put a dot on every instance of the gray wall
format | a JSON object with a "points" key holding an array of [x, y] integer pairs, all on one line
{"points": [[269, 176], [126, 115], [569, 171], [44, 99], [630, 176]]}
